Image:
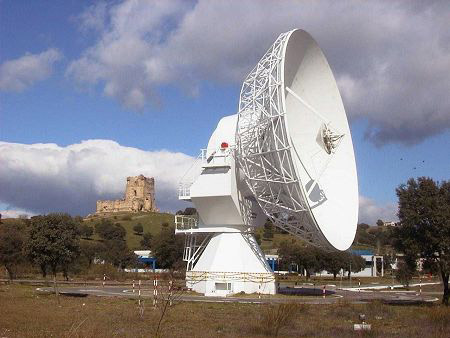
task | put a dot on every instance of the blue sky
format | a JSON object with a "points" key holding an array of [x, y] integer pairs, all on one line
{"points": [[157, 76]]}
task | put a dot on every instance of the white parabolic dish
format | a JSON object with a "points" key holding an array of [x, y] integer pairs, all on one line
{"points": [[294, 145]]}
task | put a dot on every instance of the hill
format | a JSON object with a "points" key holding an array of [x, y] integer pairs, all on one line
{"points": [[374, 238], [150, 221]]}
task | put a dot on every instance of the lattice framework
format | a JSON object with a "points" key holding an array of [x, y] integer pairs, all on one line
{"points": [[264, 151]]}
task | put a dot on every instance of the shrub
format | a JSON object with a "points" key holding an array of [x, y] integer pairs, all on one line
{"points": [[138, 229], [377, 308], [276, 317]]}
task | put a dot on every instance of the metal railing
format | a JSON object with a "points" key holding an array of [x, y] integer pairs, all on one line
{"points": [[184, 222], [216, 158], [184, 190]]}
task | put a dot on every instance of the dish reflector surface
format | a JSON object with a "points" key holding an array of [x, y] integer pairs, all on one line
{"points": [[294, 144]]}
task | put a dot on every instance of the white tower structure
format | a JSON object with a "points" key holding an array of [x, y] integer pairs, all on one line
{"points": [[287, 156]]}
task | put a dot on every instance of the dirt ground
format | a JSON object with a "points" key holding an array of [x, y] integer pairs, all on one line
{"points": [[27, 313]]}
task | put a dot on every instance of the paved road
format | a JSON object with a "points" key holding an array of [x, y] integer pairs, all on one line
{"points": [[351, 296], [117, 289]]}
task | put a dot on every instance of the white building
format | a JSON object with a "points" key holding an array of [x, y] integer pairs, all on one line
{"points": [[371, 265]]}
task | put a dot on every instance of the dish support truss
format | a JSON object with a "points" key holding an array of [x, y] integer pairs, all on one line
{"points": [[194, 244], [264, 151]]}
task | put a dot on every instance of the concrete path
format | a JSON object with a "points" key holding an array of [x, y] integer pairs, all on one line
{"points": [[353, 295], [349, 295], [382, 287]]}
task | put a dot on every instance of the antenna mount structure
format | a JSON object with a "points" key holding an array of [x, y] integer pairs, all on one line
{"points": [[284, 157]]}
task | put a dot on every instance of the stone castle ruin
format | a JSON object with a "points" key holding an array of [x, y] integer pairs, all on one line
{"points": [[139, 196]]}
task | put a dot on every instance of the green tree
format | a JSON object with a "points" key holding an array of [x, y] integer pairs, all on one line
{"points": [[168, 248], [109, 231], [85, 230], [406, 269], [363, 226], [91, 250], [190, 211], [53, 241], [146, 240], [380, 223], [11, 243], [115, 249], [312, 260], [138, 229], [118, 254], [355, 264], [307, 258], [334, 262], [288, 253], [424, 230]]}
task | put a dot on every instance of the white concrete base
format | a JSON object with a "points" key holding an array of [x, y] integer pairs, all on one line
{"points": [[224, 287], [231, 263]]}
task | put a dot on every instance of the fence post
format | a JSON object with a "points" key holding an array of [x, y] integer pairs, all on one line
{"points": [[139, 294], [133, 285], [323, 291], [155, 291], [104, 280], [170, 292]]}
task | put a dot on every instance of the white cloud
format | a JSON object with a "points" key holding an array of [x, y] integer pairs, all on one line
{"points": [[391, 57], [94, 18], [128, 35], [370, 211], [41, 178], [46, 177], [18, 74], [8, 213]]}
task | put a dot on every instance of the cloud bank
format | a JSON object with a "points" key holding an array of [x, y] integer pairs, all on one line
{"points": [[391, 58], [8, 213], [18, 74], [43, 178]]}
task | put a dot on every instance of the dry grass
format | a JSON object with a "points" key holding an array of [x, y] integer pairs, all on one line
{"points": [[27, 313], [274, 318], [439, 317]]}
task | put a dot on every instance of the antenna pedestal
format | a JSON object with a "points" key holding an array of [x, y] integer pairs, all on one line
{"points": [[231, 263]]}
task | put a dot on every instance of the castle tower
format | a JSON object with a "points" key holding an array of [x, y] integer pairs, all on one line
{"points": [[139, 196]]}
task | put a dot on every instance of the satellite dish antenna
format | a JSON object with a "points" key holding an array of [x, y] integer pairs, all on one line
{"points": [[287, 155]]}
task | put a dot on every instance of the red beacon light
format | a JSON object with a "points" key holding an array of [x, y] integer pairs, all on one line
{"points": [[224, 145]]}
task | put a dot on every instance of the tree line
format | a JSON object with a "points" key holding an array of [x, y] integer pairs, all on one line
{"points": [[58, 243], [312, 260], [53, 242]]}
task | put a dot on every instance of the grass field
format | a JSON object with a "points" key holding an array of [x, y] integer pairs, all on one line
{"points": [[26, 313]]}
